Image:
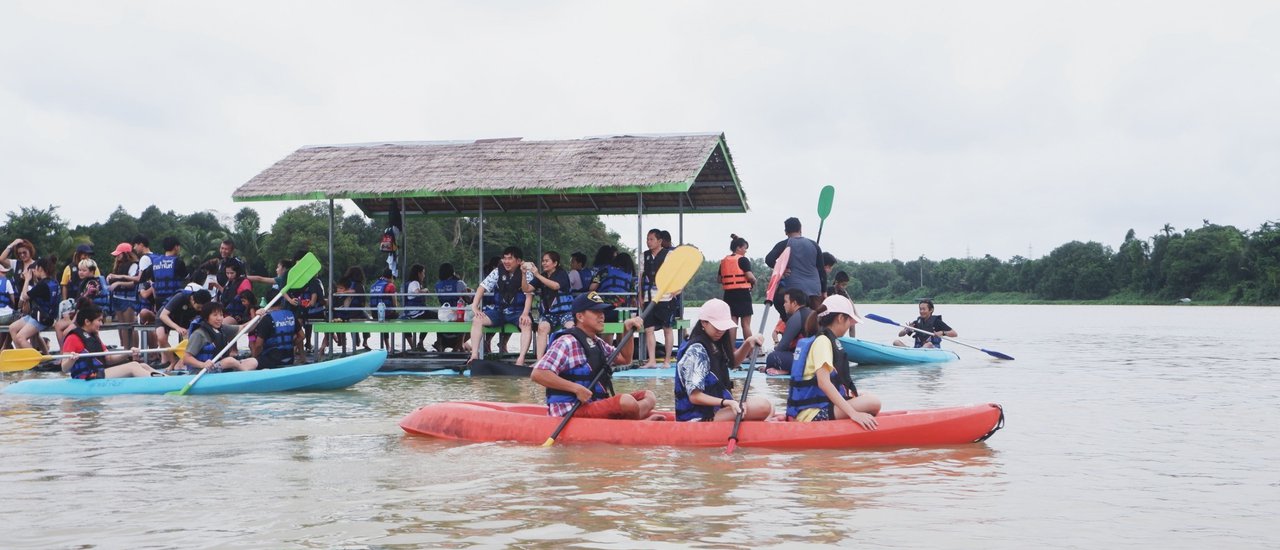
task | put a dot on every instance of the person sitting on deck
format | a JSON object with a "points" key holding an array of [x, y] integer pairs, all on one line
{"points": [[821, 387], [209, 337], [39, 297], [71, 276], [929, 323], [579, 274], [703, 388], [511, 288], [577, 355], [85, 339], [452, 292], [415, 301], [176, 317], [279, 338], [382, 293], [794, 302], [234, 283], [555, 299]]}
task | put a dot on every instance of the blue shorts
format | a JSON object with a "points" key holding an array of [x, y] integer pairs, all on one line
{"points": [[557, 320], [503, 316], [33, 322]]}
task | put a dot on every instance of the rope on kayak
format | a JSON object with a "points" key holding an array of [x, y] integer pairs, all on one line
{"points": [[999, 424]]}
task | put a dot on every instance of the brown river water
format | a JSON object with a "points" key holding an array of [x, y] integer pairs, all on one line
{"points": [[1133, 427]]}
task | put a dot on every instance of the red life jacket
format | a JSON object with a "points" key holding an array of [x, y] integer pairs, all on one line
{"points": [[732, 277]]}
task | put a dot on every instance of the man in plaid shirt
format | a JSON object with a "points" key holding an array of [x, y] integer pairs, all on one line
{"points": [[566, 370]]}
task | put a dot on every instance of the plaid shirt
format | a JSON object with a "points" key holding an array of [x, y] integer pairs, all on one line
{"points": [[563, 354]]}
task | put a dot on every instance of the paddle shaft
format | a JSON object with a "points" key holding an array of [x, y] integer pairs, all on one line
{"points": [[105, 353], [231, 343], [608, 366], [746, 384], [888, 321]]}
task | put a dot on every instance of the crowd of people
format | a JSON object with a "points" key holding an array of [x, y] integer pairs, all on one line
{"points": [[153, 296]]}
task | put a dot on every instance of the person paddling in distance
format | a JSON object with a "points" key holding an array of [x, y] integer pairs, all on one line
{"points": [[821, 387], [574, 358], [209, 337], [84, 338], [703, 387], [736, 279], [930, 323]]}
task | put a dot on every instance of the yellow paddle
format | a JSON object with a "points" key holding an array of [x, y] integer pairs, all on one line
{"points": [[12, 360], [299, 275], [676, 271]]}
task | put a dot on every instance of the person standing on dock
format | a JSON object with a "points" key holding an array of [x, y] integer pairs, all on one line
{"points": [[805, 271]]}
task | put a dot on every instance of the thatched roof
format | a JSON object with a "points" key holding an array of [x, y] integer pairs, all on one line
{"points": [[511, 176]]}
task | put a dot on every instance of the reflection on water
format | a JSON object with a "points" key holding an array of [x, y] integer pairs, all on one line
{"points": [[1126, 427]]}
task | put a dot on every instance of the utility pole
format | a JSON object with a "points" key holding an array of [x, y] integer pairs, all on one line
{"points": [[921, 271]]}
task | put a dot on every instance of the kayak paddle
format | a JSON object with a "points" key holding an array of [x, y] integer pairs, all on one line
{"points": [[25, 358], [779, 267], [299, 275], [676, 271], [888, 321], [825, 198]]}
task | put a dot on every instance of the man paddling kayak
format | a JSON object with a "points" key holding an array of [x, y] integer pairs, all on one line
{"points": [[930, 323], [574, 358]]}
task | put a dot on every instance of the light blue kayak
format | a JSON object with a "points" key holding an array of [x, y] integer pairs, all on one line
{"points": [[864, 353], [328, 375]]}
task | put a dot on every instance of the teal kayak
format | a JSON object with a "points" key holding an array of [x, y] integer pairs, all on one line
{"points": [[328, 375], [865, 353]]}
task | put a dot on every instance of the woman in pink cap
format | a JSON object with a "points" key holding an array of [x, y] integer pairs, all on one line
{"points": [[124, 292], [703, 388], [821, 388]]}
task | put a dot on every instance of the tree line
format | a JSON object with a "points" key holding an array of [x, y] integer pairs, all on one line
{"points": [[1213, 263]]}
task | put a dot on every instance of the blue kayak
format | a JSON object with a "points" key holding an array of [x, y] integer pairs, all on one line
{"points": [[328, 375], [865, 353]]}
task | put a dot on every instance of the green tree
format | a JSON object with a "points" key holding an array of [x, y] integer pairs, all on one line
{"points": [[1076, 271]]}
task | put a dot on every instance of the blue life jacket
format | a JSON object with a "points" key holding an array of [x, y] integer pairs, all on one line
{"points": [[194, 324], [6, 293], [45, 310], [214, 342], [231, 302], [805, 394], [315, 287], [616, 280], [165, 278], [284, 324], [356, 288], [86, 368], [509, 293], [584, 276], [447, 288], [583, 374], [556, 302], [378, 289], [103, 298], [712, 384]]}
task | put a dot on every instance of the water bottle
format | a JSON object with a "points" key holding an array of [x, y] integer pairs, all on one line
{"points": [[382, 311]]}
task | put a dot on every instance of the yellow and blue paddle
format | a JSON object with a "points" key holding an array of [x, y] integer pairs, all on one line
{"points": [[888, 321], [676, 271], [299, 275], [12, 360]]}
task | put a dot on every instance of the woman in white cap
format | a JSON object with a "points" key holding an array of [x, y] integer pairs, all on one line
{"points": [[821, 388], [703, 388]]}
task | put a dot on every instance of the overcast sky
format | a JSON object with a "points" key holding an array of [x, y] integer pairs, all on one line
{"points": [[949, 128]]}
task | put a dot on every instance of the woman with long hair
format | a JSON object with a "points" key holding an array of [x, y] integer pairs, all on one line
{"points": [[555, 300], [84, 338]]}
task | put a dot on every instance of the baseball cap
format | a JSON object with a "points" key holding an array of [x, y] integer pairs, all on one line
{"points": [[590, 301], [716, 312], [84, 249], [836, 303], [121, 249]]}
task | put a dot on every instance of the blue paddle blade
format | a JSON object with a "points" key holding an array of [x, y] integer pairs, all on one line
{"points": [[997, 354], [885, 320]]}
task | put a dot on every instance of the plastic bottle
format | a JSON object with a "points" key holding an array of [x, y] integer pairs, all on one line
{"points": [[382, 311]]}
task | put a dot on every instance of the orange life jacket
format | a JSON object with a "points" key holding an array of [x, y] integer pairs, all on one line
{"points": [[732, 277]]}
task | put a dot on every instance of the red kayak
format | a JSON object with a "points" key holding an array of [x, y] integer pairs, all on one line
{"points": [[524, 423]]}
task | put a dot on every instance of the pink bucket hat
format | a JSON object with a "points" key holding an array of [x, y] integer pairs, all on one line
{"points": [[716, 312], [121, 249], [839, 304]]}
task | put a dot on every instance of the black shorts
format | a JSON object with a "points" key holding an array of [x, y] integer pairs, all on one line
{"points": [[662, 315], [739, 300], [274, 360]]}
